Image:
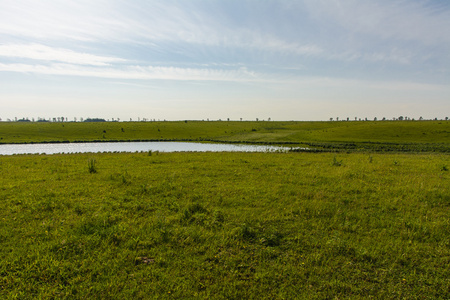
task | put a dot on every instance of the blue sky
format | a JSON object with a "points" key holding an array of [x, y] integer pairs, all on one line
{"points": [[199, 59]]}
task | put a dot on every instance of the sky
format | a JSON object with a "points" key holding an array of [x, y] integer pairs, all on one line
{"points": [[220, 59]]}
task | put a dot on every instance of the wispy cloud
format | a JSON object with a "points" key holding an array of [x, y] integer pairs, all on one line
{"points": [[242, 75], [45, 53], [343, 30], [142, 22], [139, 72], [400, 32]]}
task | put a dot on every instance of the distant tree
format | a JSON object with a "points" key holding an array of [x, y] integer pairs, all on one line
{"points": [[269, 119], [331, 119], [420, 118], [257, 119], [228, 119], [348, 119], [94, 120], [446, 119], [375, 118], [400, 118], [337, 118], [241, 119]]}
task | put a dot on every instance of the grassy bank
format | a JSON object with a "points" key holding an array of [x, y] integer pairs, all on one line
{"points": [[225, 226], [418, 136]]}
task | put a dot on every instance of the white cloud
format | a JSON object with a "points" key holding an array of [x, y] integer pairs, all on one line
{"points": [[395, 55], [45, 53], [138, 22], [243, 75], [139, 72]]}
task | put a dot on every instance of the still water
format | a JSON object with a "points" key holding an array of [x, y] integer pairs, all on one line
{"points": [[10, 149]]}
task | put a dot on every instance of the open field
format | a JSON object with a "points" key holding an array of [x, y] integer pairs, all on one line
{"points": [[225, 225], [418, 136]]}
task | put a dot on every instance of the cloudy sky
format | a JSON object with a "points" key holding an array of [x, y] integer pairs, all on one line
{"points": [[199, 59]]}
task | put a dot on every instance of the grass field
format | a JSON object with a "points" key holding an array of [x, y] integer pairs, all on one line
{"points": [[225, 226], [351, 224], [418, 136]]}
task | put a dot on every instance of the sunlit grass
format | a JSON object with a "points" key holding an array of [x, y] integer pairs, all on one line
{"points": [[225, 225]]}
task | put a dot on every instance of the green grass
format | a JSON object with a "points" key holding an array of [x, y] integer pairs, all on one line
{"points": [[415, 136], [225, 226], [124, 131]]}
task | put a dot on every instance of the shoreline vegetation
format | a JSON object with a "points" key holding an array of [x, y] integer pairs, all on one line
{"points": [[354, 224], [378, 136]]}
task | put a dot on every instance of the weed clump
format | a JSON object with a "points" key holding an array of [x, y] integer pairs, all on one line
{"points": [[245, 232], [92, 166], [336, 162]]}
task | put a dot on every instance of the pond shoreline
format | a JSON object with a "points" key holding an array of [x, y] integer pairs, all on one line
{"points": [[117, 147]]}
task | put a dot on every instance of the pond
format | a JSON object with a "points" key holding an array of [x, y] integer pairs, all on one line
{"points": [[54, 148]]}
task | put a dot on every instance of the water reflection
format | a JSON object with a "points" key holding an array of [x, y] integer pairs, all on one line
{"points": [[10, 149]]}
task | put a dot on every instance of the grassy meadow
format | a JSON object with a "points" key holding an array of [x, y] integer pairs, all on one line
{"points": [[369, 221], [225, 226], [415, 136]]}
